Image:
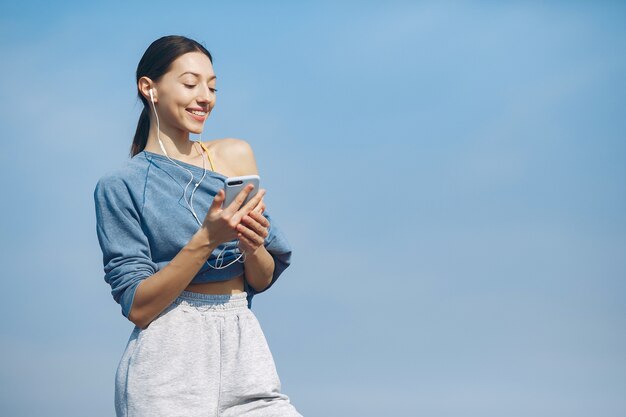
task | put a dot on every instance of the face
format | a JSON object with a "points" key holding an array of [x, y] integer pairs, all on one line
{"points": [[188, 87]]}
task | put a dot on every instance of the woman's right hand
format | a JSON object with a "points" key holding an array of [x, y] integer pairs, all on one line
{"points": [[221, 223]]}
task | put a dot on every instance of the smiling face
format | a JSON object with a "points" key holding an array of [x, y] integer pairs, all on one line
{"points": [[185, 95]]}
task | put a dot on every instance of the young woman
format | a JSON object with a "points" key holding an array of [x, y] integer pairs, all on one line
{"points": [[183, 266]]}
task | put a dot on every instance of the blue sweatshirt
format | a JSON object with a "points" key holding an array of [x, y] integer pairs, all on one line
{"points": [[143, 221]]}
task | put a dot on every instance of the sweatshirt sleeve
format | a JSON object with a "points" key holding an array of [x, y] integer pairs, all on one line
{"points": [[277, 245], [125, 247]]}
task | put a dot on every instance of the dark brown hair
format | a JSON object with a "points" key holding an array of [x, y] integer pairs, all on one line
{"points": [[154, 63]]}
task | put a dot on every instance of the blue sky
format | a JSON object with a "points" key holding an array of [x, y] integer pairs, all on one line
{"points": [[451, 176]]}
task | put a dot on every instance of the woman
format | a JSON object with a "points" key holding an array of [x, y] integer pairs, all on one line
{"points": [[184, 271]]}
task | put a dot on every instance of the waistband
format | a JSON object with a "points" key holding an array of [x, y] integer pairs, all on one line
{"points": [[217, 302]]}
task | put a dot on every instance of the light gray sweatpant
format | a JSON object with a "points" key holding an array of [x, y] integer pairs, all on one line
{"points": [[205, 355]]}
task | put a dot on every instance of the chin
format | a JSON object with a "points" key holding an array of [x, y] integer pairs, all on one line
{"points": [[193, 128], [196, 131]]}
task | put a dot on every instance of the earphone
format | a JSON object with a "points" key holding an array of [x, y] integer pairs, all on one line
{"points": [[190, 202]]}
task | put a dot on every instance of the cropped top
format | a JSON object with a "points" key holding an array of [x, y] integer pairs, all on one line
{"points": [[143, 221]]}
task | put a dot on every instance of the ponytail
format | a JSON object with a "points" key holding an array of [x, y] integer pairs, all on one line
{"points": [[141, 135]]}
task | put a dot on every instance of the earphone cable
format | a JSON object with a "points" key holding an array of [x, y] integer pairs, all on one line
{"points": [[190, 202]]}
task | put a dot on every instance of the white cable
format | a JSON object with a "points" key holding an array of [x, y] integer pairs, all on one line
{"points": [[220, 256]]}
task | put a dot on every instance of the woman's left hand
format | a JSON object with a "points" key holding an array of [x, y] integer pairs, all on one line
{"points": [[253, 230]]}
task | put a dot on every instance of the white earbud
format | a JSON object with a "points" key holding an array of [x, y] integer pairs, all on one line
{"points": [[151, 96]]}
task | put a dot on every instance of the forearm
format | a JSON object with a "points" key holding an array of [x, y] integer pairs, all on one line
{"points": [[259, 268], [158, 291]]}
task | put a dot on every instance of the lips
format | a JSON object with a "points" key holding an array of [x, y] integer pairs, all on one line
{"points": [[198, 117]]}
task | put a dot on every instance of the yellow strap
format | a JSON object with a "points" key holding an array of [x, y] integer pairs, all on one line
{"points": [[208, 155]]}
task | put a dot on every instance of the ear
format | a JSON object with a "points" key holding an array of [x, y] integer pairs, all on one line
{"points": [[144, 85]]}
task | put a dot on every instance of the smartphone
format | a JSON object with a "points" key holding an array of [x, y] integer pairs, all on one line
{"points": [[234, 185]]}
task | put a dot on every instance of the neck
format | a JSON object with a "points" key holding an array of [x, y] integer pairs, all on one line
{"points": [[176, 143]]}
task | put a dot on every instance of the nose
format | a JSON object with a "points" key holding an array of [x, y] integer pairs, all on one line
{"points": [[206, 95]]}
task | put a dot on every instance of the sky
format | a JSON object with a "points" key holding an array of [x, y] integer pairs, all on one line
{"points": [[451, 176]]}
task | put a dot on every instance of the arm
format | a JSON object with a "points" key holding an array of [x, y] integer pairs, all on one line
{"points": [[263, 265], [137, 284], [159, 290], [260, 273], [259, 269]]}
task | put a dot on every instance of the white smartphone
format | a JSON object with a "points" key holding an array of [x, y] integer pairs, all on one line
{"points": [[233, 185]]}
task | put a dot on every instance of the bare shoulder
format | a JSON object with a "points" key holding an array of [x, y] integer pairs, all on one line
{"points": [[232, 156]]}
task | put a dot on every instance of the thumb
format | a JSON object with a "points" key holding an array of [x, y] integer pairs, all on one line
{"points": [[217, 200]]}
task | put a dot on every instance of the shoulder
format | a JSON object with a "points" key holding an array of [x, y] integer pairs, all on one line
{"points": [[121, 179], [236, 155], [112, 186]]}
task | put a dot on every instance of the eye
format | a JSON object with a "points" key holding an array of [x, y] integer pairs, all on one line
{"points": [[214, 90]]}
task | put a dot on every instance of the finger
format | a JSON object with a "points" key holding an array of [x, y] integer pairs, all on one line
{"points": [[250, 223], [255, 225], [249, 205], [259, 207], [246, 244], [254, 201], [241, 197], [217, 200], [259, 218], [250, 234]]}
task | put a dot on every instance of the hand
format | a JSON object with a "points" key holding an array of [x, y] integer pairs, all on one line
{"points": [[253, 230], [221, 223]]}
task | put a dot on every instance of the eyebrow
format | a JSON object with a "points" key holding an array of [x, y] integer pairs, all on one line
{"points": [[197, 75]]}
